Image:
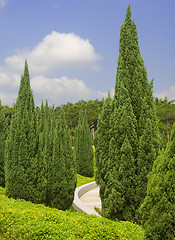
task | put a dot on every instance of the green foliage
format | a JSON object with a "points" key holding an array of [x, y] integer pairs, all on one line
{"points": [[102, 140], [61, 175], [166, 114], [24, 220], [149, 142], [81, 180], [20, 163], [158, 209], [129, 50], [2, 191], [119, 197], [43, 150], [39, 164], [3, 134], [55, 154], [120, 172], [83, 152], [92, 107], [9, 112]]}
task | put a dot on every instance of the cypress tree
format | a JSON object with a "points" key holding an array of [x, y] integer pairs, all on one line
{"points": [[44, 145], [149, 142], [102, 140], [22, 169], [70, 167], [158, 209], [83, 151], [47, 143], [3, 133], [132, 118], [61, 174], [129, 51], [119, 201]]}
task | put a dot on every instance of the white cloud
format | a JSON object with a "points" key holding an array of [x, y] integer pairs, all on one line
{"points": [[8, 98], [112, 92], [2, 3], [9, 79], [63, 90], [170, 93], [57, 50]]}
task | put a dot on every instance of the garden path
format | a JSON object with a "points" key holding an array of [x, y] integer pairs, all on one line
{"points": [[91, 199]]}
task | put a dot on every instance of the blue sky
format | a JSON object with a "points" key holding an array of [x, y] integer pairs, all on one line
{"points": [[72, 46]]}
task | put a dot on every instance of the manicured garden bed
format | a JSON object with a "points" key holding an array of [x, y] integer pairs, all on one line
{"points": [[20, 219]]}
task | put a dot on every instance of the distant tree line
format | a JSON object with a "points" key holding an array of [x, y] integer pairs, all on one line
{"points": [[93, 109], [165, 111], [166, 114]]}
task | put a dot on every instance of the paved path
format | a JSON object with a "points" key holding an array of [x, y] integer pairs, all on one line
{"points": [[91, 198]]}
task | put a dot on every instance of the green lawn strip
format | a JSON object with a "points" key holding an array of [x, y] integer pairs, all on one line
{"points": [[81, 180], [20, 219]]}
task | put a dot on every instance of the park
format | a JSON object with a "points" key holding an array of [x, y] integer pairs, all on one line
{"points": [[45, 157]]}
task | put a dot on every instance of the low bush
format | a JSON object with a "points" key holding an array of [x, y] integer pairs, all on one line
{"points": [[20, 219]]}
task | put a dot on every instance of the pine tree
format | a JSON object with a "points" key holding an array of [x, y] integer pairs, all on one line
{"points": [[158, 209], [3, 133], [83, 151], [61, 174], [23, 172]]}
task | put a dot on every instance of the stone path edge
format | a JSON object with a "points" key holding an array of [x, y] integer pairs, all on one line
{"points": [[78, 205]]}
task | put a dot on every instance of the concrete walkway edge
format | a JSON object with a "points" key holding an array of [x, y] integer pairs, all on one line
{"points": [[77, 204]]}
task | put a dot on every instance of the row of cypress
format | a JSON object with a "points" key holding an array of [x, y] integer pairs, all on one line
{"points": [[39, 163], [83, 151], [127, 144]]}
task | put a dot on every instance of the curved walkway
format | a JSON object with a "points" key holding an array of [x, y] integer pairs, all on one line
{"points": [[87, 198]]}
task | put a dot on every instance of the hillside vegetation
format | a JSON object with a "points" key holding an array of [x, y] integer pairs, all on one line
{"points": [[20, 219]]}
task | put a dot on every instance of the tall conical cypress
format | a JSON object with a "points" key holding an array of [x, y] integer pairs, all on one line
{"points": [[129, 50], [44, 147], [61, 174], [149, 142], [102, 140], [131, 120], [22, 171], [119, 200], [55, 153], [83, 152], [158, 209], [3, 134]]}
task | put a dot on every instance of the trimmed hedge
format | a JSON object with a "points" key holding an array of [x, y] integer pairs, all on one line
{"points": [[20, 219]]}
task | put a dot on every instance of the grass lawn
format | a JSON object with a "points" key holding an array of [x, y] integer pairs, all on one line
{"points": [[81, 180]]}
